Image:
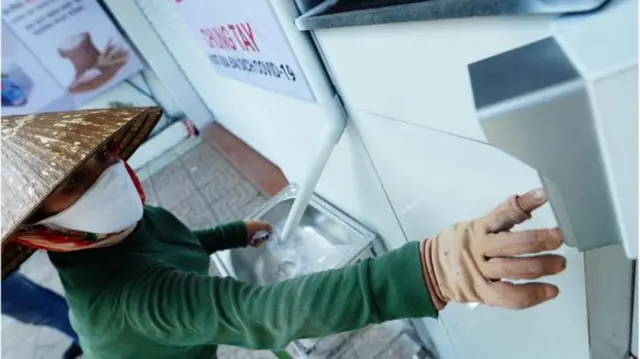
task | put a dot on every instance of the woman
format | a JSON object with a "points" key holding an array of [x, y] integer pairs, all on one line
{"points": [[136, 277]]}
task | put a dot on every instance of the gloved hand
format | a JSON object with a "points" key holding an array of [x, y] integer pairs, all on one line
{"points": [[257, 232], [467, 262]]}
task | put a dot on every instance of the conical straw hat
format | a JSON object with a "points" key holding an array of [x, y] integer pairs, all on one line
{"points": [[38, 152]]}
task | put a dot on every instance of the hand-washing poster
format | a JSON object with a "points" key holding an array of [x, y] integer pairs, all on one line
{"points": [[245, 41], [75, 42], [27, 86]]}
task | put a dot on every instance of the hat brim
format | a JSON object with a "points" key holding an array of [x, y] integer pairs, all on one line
{"points": [[129, 136]]}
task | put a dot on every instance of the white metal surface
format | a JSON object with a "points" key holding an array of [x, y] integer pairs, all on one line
{"points": [[609, 292], [418, 76], [416, 72], [610, 69]]}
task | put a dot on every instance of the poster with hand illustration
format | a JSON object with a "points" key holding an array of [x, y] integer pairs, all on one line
{"points": [[27, 86], [76, 41]]}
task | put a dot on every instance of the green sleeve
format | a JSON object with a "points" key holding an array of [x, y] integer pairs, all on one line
{"points": [[226, 236], [185, 309]]}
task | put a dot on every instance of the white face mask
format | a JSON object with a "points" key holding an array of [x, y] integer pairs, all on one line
{"points": [[111, 205]]}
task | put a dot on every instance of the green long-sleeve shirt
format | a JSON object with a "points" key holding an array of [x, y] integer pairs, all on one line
{"points": [[150, 297]]}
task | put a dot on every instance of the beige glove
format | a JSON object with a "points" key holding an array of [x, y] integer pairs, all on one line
{"points": [[466, 263]]}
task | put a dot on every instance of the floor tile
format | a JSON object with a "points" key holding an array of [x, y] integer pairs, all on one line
{"points": [[225, 351], [19, 341], [224, 181], [195, 213], [202, 153], [232, 205], [203, 173], [159, 163], [262, 354], [50, 344], [263, 174], [401, 347], [40, 270], [187, 145], [172, 185]]}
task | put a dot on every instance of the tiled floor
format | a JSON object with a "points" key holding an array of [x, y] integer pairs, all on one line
{"points": [[257, 169], [199, 186]]}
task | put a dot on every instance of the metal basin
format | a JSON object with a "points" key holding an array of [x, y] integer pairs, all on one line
{"points": [[325, 238]]}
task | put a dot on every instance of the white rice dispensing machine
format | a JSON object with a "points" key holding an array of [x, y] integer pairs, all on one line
{"points": [[567, 105]]}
